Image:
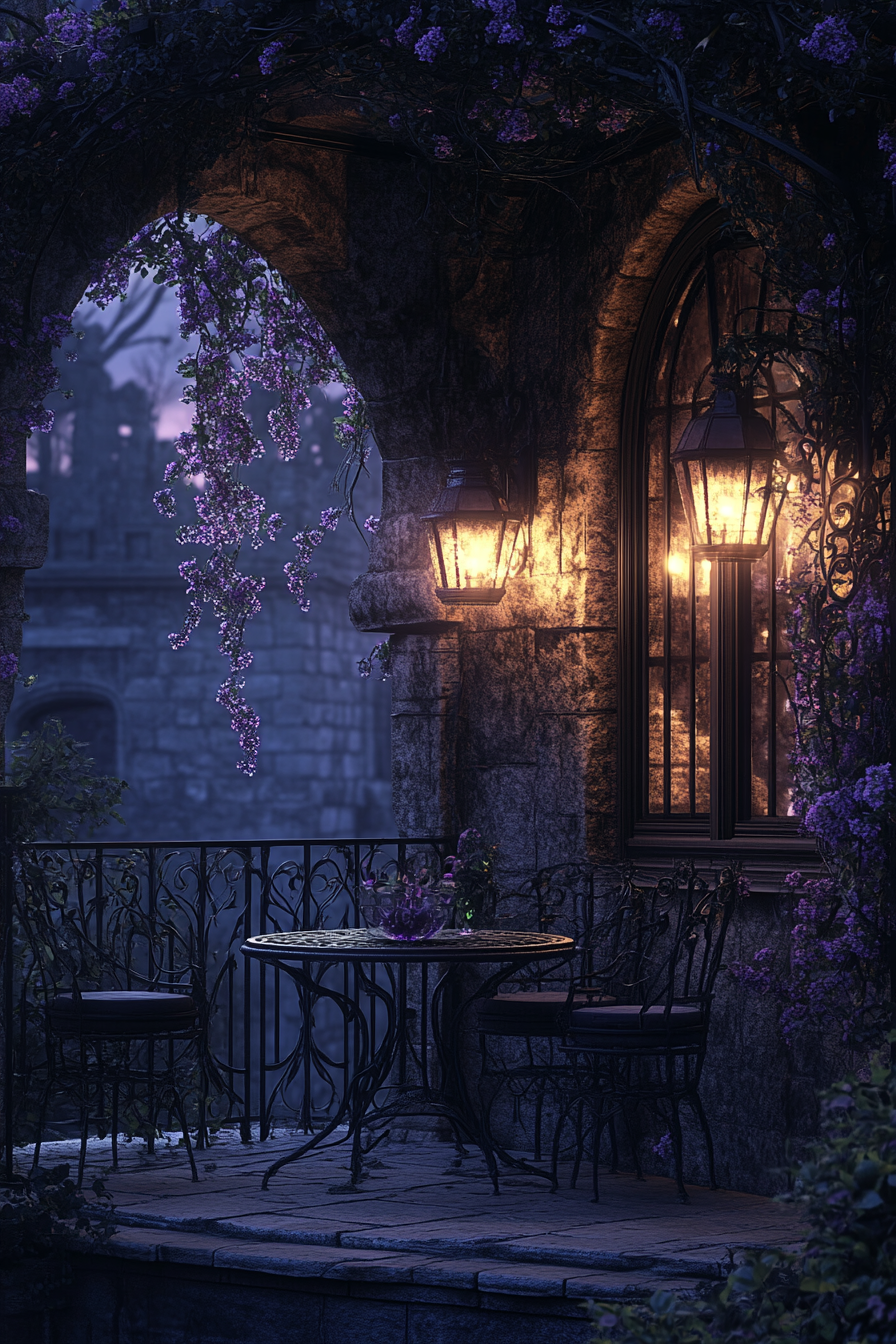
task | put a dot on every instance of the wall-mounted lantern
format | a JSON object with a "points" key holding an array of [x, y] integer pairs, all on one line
{"points": [[731, 480], [474, 538]]}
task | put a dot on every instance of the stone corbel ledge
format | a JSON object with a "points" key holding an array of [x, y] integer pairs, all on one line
{"points": [[399, 602]]}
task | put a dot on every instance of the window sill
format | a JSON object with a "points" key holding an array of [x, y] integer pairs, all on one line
{"points": [[769, 848]]}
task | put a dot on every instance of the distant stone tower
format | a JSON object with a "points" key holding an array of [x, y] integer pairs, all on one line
{"points": [[105, 602]]}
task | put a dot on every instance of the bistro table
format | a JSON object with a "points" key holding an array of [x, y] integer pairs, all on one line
{"points": [[377, 1060]]}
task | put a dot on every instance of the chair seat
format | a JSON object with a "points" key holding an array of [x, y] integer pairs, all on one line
{"points": [[530, 1012], [631, 1020], [122, 1012]]}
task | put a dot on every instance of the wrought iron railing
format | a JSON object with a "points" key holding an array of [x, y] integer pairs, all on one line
{"points": [[165, 916]]}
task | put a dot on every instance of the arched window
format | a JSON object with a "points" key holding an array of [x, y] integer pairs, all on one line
{"points": [[713, 285], [85, 717]]}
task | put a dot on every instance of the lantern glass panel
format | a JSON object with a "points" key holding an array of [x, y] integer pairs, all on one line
{"points": [[473, 553], [726, 500]]}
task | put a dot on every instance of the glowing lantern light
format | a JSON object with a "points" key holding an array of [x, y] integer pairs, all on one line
{"points": [[473, 538], [731, 480]]}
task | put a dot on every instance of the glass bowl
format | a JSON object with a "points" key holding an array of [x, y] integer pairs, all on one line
{"points": [[409, 913]]}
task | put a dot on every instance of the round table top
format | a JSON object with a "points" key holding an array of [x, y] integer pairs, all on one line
{"points": [[371, 945]]}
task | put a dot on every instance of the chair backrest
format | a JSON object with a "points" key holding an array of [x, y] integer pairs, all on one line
{"points": [[661, 943], [691, 953], [619, 956], [566, 901]]}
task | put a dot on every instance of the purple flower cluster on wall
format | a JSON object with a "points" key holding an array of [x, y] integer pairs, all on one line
{"points": [[831, 41], [252, 330], [845, 796]]}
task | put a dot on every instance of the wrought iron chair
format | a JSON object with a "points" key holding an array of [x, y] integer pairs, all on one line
{"points": [[609, 930], [109, 1024], [651, 1049], [112, 988]]}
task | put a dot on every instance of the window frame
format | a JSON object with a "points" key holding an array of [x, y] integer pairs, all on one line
{"points": [[769, 846]]}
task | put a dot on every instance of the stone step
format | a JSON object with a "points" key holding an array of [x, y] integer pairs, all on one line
{"points": [[392, 1265], [274, 1230]]}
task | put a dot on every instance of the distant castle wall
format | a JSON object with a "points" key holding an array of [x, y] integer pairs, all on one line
{"points": [[109, 595]]}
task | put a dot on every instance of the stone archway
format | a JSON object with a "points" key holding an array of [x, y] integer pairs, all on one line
{"points": [[459, 347]]}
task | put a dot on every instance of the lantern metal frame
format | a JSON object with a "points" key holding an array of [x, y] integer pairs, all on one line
{"points": [[730, 435], [471, 497]]}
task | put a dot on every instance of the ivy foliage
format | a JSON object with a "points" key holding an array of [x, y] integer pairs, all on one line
{"points": [[57, 789], [48, 1213], [842, 1286]]}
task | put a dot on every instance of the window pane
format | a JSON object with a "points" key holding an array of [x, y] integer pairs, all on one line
{"points": [[656, 740], [784, 739], [680, 738], [701, 771], [759, 736]]}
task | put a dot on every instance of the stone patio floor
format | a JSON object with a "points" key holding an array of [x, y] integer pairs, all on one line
{"points": [[422, 1218]]}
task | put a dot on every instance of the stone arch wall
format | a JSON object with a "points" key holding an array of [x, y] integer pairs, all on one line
{"points": [[505, 719]]}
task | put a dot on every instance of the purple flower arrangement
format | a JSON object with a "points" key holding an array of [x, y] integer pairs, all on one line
{"points": [[409, 906]]}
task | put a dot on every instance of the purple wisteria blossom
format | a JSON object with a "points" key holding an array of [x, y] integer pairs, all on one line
{"points": [[515, 127], [267, 61], [667, 22], [404, 33], [431, 45], [663, 1147], [69, 27], [844, 795], [298, 572], [9, 666], [831, 41], [11, 53], [504, 27], [564, 36], [444, 147], [18, 98], [372, 525], [887, 142], [165, 502], [76, 30], [252, 330], [55, 327]]}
